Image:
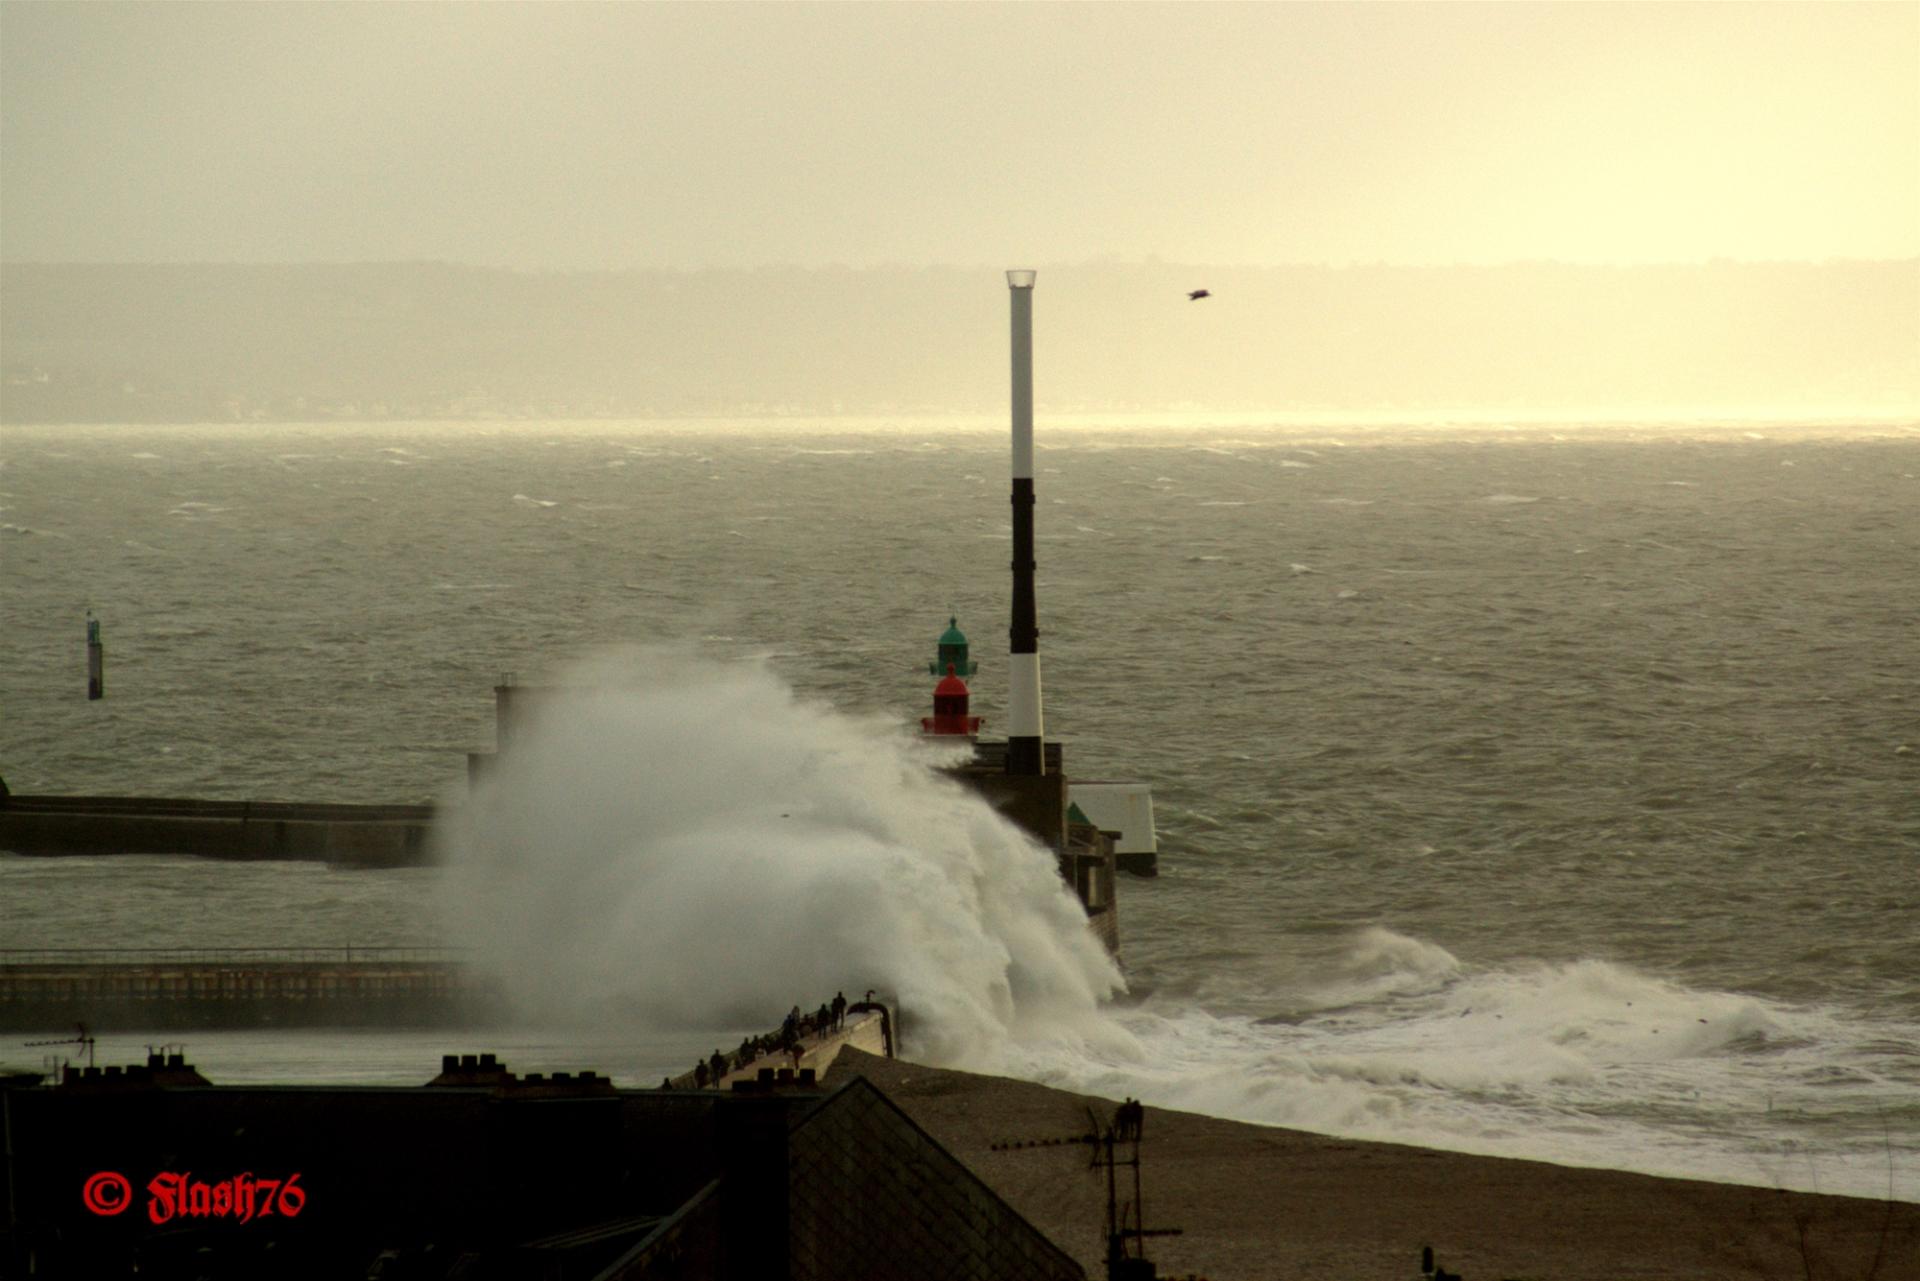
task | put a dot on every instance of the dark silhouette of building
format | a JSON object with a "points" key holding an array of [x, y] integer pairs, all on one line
{"points": [[485, 1175]]}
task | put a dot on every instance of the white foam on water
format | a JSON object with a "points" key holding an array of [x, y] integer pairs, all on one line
{"points": [[1588, 1063]]}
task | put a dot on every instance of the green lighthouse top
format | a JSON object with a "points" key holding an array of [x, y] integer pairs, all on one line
{"points": [[953, 652]]}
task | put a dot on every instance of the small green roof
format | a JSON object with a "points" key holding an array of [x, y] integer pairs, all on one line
{"points": [[1076, 815], [953, 635]]}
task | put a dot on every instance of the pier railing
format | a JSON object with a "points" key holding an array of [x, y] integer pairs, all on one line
{"points": [[125, 957], [165, 987]]}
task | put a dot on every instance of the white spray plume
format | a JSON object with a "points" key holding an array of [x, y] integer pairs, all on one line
{"points": [[677, 842]]}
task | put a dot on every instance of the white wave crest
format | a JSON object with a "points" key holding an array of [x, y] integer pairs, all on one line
{"points": [[678, 842]]}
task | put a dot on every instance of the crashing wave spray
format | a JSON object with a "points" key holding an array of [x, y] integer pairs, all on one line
{"points": [[680, 844], [677, 842]]}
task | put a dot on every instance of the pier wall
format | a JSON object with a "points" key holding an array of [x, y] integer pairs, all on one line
{"points": [[174, 989], [355, 835], [1089, 865], [1036, 803]]}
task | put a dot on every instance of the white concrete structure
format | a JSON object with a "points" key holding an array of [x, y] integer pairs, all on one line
{"points": [[1126, 808]]}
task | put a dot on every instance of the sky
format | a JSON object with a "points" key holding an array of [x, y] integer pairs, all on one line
{"points": [[572, 136]]}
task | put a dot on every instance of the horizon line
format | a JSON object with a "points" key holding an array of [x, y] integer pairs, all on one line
{"points": [[1082, 264]]}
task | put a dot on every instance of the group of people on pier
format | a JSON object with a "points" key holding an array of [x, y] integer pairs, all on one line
{"points": [[788, 1039]]}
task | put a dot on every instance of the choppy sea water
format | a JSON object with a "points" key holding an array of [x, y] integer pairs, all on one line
{"points": [[1547, 791]]}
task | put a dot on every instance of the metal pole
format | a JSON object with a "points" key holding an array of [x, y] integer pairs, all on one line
{"points": [[1025, 730]]}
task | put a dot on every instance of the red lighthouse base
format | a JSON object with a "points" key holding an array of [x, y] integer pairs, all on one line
{"points": [[950, 716]]}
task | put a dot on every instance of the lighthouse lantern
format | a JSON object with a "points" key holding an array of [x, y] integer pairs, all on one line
{"points": [[951, 656], [950, 716]]}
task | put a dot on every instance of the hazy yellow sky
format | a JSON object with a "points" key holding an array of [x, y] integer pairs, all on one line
{"points": [[670, 135]]}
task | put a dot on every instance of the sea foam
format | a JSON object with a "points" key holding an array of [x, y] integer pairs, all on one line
{"points": [[674, 841]]}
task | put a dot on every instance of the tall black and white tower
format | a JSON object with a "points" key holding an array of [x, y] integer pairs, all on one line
{"points": [[1025, 753]]}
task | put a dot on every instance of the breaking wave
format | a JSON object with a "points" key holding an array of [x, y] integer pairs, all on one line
{"points": [[677, 841]]}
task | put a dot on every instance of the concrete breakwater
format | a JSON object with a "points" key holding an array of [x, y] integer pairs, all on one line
{"points": [[355, 835], [175, 988], [394, 836], [811, 1051]]}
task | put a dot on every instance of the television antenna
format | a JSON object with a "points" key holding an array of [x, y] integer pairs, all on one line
{"points": [[81, 1037], [1115, 1145]]}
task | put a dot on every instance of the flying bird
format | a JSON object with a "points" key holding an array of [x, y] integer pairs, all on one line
{"points": [[1197, 294]]}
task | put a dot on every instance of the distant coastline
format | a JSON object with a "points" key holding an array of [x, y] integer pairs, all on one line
{"points": [[100, 343]]}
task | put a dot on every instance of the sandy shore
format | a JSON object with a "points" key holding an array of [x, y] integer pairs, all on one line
{"points": [[1256, 1202]]}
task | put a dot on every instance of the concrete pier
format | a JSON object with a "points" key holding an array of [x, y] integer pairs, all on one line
{"points": [[1038, 804], [355, 835], [866, 1030], [47, 989]]}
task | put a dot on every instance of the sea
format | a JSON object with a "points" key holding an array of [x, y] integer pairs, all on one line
{"points": [[1546, 789]]}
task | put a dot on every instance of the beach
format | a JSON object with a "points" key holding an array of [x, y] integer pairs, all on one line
{"points": [[1256, 1201]]}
